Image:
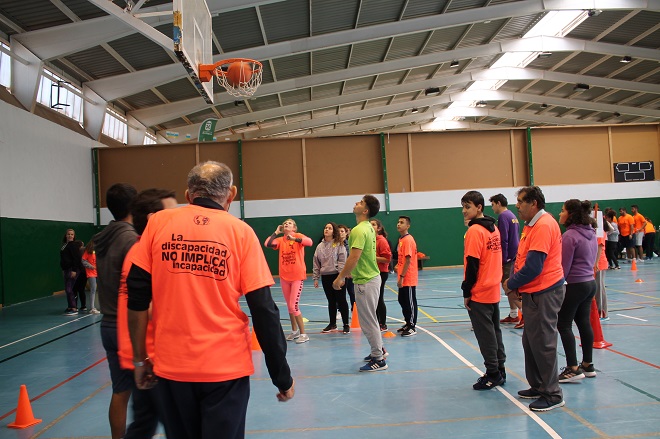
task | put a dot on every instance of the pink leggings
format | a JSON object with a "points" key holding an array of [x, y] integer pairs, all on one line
{"points": [[291, 291]]}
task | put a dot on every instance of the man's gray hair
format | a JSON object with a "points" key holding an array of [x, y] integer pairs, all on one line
{"points": [[210, 180]]}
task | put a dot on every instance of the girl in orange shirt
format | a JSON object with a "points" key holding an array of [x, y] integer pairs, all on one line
{"points": [[89, 262], [292, 272]]}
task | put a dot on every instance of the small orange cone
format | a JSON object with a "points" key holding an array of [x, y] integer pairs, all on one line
{"points": [[639, 281], [388, 334], [24, 416], [355, 321], [599, 341], [633, 267], [254, 342]]}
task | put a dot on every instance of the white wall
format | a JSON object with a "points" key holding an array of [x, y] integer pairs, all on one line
{"points": [[45, 169]]}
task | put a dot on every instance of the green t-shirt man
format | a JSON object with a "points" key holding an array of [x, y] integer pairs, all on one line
{"points": [[363, 237]]}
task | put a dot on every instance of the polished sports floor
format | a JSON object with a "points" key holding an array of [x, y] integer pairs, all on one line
{"points": [[425, 393]]}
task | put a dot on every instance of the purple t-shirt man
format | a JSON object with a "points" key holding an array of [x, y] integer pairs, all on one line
{"points": [[507, 223]]}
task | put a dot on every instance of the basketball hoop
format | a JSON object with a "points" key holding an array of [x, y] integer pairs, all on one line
{"points": [[239, 76]]}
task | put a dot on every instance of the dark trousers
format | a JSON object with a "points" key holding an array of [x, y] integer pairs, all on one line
{"points": [[205, 410], [336, 299], [485, 318], [69, 289], [408, 302], [577, 307], [539, 341], [146, 408], [647, 243], [350, 288], [610, 251], [381, 310], [79, 290]]}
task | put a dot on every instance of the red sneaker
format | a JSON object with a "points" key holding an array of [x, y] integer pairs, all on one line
{"points": [[520, 324], [509, 319]]}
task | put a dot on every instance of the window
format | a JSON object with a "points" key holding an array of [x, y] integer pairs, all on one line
{"points": [[5, 66], [150, 139], [57, 93], [114, 125]]}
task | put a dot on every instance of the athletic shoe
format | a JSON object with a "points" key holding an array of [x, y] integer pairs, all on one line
{"points": [[604, 319], [94, 311], [617, 268], [302, 338], [567, 375], [588, 371], [71, 312], [521, 324], [383, 328], [83, 309], [487, 383], [509, 319], [543, 405], [409, 332], [329, 328], [403, 328], [374, 365], [293, 335], [347, 329], [503, 373], [528, 394], [369, 357]]}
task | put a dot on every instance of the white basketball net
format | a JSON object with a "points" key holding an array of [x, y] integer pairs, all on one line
{"points": [[245, 88]]}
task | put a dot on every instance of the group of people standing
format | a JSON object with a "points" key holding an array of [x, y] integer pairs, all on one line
{"points": [[555, 277], [78, 264], [635, 233]]}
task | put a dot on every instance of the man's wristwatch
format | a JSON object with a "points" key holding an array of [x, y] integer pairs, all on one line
{"points": [[141, 363]]}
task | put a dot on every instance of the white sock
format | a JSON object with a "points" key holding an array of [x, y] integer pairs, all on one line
{"points": [[513, 313]]}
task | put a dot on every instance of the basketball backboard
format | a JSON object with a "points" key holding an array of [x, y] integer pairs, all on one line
{"points": [[193, 43]]}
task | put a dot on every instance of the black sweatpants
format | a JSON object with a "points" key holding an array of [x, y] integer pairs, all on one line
{"points": [[408, 302], [336, 299], [485, 319], [205, 410], [577, 307], [381, 310]]}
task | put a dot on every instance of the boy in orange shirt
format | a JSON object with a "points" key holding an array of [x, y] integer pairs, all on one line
{"points": [[482, 262], [407, 277]]}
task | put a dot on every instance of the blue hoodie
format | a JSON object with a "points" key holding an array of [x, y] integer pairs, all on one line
{"points": [[579, 249]]}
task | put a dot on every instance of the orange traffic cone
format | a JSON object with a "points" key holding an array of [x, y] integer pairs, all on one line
{"points": [[355, 321], [599, 341], [24, 416], [254, 342], [639, 281], [388, 334], [633, 266]]}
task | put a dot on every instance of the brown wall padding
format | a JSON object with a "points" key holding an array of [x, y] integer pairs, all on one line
{"points": [[636, 143], [398, 163], [521, 165], [458, 160], [344, 166], [273, 169], [165, 166], [571, 156]]}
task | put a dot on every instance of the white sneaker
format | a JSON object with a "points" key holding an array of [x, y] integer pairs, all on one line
{"points": [[94, 311], [294, 335], [302, 338]]}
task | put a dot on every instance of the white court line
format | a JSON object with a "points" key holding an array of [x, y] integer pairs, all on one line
{"points": [[552, 433], [636, 318], [47, 330]]}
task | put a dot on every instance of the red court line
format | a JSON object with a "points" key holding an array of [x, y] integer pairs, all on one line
{"points": [[58, 385], [631, 357]]}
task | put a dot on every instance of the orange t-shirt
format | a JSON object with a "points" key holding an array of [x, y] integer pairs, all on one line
{"points": [[626, 222], [91, 258], [407, 247], [383, 251], [487, 247], [202, 261], [602, 262], [544, 237], [125, 347], [291, 258], [649, 227], [639, 220]]}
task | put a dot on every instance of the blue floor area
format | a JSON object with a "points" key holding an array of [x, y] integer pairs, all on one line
{"points": [[425, 393]]}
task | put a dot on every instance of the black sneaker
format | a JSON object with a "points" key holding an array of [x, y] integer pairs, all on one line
{"points": [[409, 332], [588, 371], [543, 405], [503, 373], [568, 375], [403, 328], [487, 383], [529, 394], [347, 329], [374, 365], [383, 328], [329, 328]]}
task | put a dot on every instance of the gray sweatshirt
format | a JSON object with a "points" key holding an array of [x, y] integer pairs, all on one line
{"points": [[329, 258]]}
